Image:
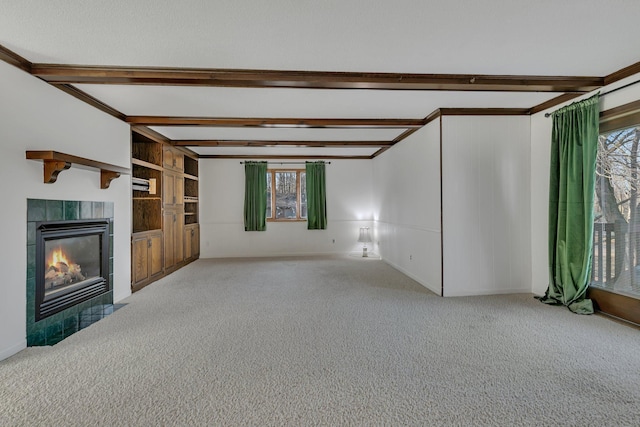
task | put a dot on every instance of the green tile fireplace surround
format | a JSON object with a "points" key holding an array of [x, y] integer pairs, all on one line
{"points": [[56, 327]]}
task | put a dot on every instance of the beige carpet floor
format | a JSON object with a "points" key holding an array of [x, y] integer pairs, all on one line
{"points": [[326, 341]]}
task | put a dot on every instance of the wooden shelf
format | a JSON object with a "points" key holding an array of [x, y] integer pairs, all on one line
{"points": [[146, 164], [55, 162], [146, 198]]}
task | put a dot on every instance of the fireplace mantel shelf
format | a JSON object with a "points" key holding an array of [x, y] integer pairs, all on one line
{"points": [[55, 162]]}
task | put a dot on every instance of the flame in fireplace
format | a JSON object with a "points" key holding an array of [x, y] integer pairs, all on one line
{"points": [[61, 271], [58, 256]]}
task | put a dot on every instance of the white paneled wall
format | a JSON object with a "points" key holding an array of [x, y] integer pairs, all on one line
{"points": [[407, 206], [349, 187], [486, 215]]}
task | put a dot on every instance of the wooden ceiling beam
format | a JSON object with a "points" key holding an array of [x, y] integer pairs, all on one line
{"points": [[10, 57], [484, 111], [407, 133], [622, 73], [565, 97], [274, 122], [281, 157], [264, 143], [94, 102], [79, 74]]}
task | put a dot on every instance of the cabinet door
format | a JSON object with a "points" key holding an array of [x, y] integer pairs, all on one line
{"points": [[179, 237], [191, 241], [188, 242], [146, 254], [173, 159], [178, 191], [195, 242], [169, 189], [173, 190], [155, 254], [167, 158], [169, 219], [178, 161], [140, 258]]}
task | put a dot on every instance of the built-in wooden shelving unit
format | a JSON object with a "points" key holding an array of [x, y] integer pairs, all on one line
{"points": [[164, 192]]}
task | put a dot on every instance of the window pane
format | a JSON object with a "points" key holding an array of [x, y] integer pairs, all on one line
{"points": [[616, 237], [303, 195], [286, 195], [269, 195]]}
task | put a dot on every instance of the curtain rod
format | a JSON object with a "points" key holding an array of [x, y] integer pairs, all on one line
{"points": [[287, 163], [608, 92]]}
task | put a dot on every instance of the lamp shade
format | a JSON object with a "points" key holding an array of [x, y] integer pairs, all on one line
{"points": [[364, 237]]}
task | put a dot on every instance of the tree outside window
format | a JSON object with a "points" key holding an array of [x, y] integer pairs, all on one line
{"points": [[286, 195], [616, 258]]}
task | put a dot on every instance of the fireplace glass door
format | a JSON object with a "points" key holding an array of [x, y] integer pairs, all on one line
{"points": [[72, 263], [69, 263]]}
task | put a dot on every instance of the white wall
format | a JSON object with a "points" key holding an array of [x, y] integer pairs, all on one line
{"points": [[540, 152], [36, 116], [486, 204], [407, 206], [349, 186]]}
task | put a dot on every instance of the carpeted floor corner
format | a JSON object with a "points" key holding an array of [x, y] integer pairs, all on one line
{"points": [[326, 341]]}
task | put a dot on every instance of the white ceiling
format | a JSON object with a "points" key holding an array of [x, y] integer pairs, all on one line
{"points": [[497, 37], [273, 102]]}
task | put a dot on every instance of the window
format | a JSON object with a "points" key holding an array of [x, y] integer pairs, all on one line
{"points": [[616, 244], [615, 275], [286, 195]]}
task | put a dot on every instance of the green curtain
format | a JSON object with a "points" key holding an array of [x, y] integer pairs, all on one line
{"points": [[255, 196], [574, 143], [316, 196]]}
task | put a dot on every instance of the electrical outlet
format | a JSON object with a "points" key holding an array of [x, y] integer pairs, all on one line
{"points": [[333, 240], [410, 257]]}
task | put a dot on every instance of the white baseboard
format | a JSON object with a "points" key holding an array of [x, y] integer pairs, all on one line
{"points": [[484, 292], [8, 352], [274, 255]]}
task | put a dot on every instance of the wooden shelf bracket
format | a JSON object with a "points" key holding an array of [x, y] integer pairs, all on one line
{"points": [[106, 177], [52, 169], [55, 162]]}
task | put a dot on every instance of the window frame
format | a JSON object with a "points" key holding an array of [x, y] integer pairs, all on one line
{"points": [[272, 200], [619, 306]]}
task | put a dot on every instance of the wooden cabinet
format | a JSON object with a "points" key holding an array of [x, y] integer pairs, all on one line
{"points": [[164, 203], [173, 221], [146, 258], [173, 159], [191, 241]]}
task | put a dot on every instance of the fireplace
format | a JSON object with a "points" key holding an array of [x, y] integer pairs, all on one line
{"points": [[72, 264]]}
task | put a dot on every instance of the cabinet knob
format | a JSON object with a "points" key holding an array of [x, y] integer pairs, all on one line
{"points": [[148, 243]]}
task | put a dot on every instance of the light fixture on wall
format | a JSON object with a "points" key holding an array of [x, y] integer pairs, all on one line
{"points": [[364, 238]]}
